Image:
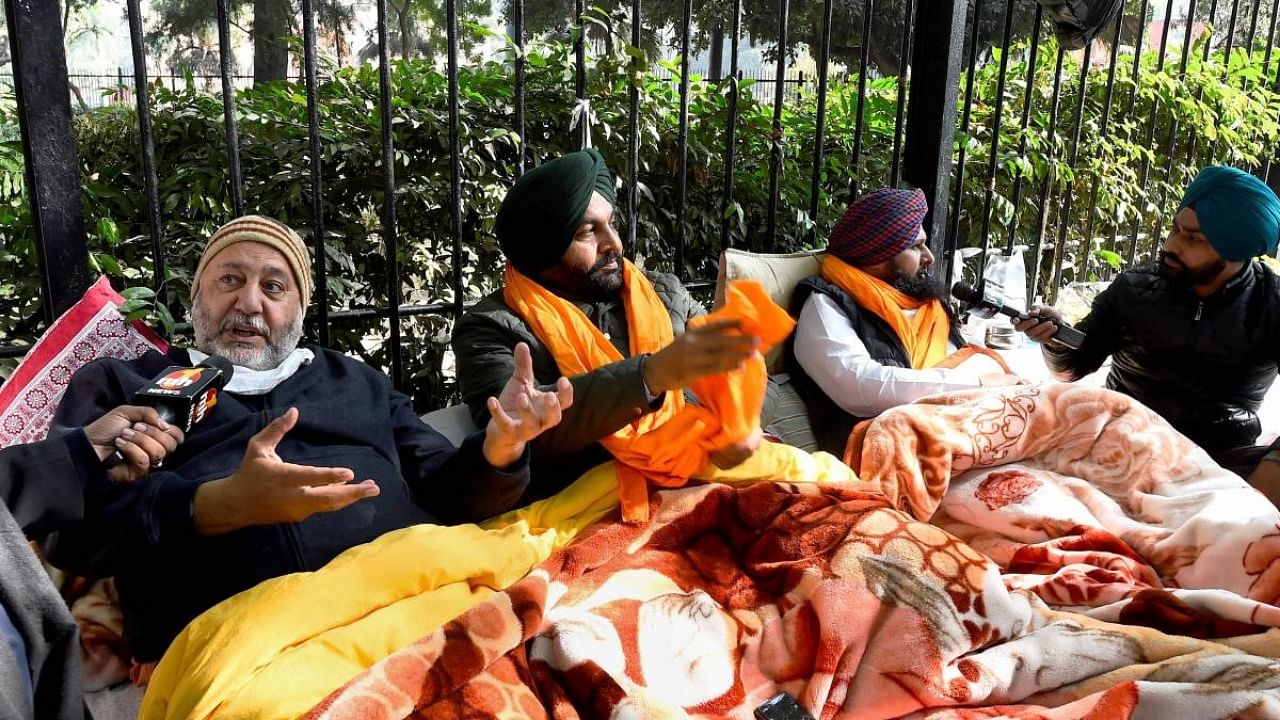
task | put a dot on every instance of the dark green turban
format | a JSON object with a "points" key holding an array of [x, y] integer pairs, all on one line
{"points": [[1239, 215], [541, 213]]}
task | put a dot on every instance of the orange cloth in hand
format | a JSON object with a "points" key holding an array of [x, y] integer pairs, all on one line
{"points": [[670, 444], [924, 336]]}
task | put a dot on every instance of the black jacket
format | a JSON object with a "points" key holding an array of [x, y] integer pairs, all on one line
{"points": [[349, 416], [604, 400], [1203, 364], [830, 422]]}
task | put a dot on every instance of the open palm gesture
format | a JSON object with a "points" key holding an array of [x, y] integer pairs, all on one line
{"points": [[521, 411]]}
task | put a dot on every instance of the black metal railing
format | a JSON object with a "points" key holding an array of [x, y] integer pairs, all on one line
{"points": [[928, 45]]}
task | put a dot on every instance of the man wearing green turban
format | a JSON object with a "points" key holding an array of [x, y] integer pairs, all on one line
{"points": [[1196, 335], [558, 228]]}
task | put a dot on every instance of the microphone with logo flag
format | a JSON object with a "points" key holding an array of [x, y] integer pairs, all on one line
{"points": [[182, 396]]}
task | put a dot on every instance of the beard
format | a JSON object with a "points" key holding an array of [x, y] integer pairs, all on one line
{"points": [[277, 346], [921, 285], [1190, 276], [600, 284]]}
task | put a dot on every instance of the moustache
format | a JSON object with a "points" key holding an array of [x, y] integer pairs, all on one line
{"points": [[605, 260], [257, 322], [1172, 259]]}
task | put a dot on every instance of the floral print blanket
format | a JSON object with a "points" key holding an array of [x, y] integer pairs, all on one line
{"points": [[1050, 551]]}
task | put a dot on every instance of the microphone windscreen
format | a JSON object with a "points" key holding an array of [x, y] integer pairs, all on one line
{"points": [[222, 364], [966, 292]]}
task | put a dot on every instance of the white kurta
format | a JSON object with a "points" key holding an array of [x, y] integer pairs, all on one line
{"points": [[837, 360]]}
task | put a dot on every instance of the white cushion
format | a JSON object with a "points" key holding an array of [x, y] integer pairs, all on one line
{"points": [[454, 422]]}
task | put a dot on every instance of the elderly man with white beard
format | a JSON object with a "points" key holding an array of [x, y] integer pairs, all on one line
{"points": [[307, 453]]}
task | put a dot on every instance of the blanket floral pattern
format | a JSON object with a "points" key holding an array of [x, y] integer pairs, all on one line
{"points": [[1067, 519]]}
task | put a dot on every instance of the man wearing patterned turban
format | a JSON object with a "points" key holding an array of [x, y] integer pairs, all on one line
{"points": [[571, 295], [1194, 336], [872, 331]]}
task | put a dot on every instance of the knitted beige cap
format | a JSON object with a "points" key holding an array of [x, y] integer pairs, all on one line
{"points": [[259, 229]]}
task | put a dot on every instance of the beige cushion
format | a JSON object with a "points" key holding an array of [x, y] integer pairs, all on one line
{"points": [[779, 274]]}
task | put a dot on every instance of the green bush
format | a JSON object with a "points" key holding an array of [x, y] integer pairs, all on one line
{"points": [[1230, 105]]}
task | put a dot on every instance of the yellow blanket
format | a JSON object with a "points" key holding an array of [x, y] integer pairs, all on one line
{"points": [[276, 650]]}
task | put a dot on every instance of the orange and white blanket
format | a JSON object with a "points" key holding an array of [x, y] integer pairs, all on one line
{"points": [[1088, 499], [838, 595]]}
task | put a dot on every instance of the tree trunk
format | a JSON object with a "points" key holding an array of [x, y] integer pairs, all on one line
{"points": [[716, 71], [406, 41], [270, 26]]}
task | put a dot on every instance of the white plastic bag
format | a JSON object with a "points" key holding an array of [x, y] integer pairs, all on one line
{"points": [[1005, 278]]}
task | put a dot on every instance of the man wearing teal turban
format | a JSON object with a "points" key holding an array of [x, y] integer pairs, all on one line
{"points": [[557, 227], [1196, 335]]}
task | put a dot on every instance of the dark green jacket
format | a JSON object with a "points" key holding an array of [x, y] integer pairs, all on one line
{"points": [[604, 400]]}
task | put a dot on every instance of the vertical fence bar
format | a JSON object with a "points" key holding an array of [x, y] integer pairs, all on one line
{"points": [[868, 13], [993, 156], [390, 231], [931, 122], [455, 154], [1133, 104], [1271, 37], [1022, 142], [517, 27], [1046, 185], [895, 171], [317, 157], [962, 161], [633, 144], [1193, 141], [1064, 216], [229, 103], [824, 59], [1105, 125], [143, 94], [1155, 112], [682, 180], [1182, 74], [1226, 63], [731, 134], [1266, 68], [775, 141], [1253, 25], [1137, 55], [52, 168], [580, 75]]}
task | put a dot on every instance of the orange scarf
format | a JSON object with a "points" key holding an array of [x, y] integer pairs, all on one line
{"points": [[924, 336], [670, 444]]}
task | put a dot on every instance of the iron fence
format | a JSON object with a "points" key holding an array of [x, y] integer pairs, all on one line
{"points": [[1107, 95], [935, 52]]}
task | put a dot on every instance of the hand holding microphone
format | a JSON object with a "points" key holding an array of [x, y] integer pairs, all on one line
{"points": [[135, 433], [1042, 324], [181, 397]]}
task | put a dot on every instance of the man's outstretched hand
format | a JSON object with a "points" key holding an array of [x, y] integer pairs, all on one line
{"points": [[266, 490], [522, 412]]}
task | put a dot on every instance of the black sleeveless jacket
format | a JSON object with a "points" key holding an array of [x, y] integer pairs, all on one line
{"points": [[831, 424]]}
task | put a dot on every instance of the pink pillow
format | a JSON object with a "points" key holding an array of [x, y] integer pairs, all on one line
{"points": [[91, 329]]}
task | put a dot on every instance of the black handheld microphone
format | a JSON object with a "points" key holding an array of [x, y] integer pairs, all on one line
{"points": [[986, 307], [182, 396]]}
